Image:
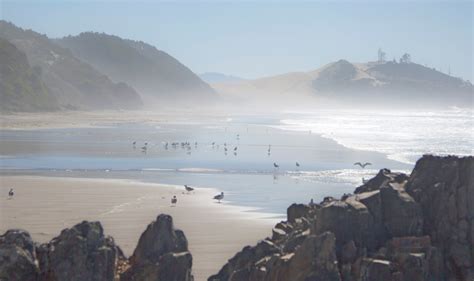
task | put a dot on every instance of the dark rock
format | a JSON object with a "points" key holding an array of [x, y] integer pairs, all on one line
{"points": [[17, 256], [239, 266], [444, 187], [314, 260], [402, 215], [161, 254], [382, 179], [349, 221], [79, 253], [297, 211], [376, 270]]}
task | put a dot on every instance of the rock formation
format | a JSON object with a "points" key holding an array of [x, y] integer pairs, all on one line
{"points": [[394, 228], [79, 253], [18, 256], [83, 253], [161, 254]]}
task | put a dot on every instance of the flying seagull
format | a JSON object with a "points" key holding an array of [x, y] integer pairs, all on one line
{"points": [[297, 164], [219, 197], [362, 165], [188, 188], [276, 165]]}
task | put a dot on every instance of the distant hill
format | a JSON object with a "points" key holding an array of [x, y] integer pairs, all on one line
{"points": [[73, 83], [215, 77], [344, 83], [21, 87], [154, 73]]}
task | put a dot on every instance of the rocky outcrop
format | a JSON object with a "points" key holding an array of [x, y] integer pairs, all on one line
{"points": [[161, 254], [444, 187], [79, 253], [384, 178], [18, 256], [84, 253], [394, 228]]}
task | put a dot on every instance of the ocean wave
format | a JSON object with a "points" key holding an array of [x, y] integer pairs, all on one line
{"points": [[403, 137]]}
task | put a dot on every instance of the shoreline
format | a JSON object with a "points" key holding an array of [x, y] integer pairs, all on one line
{"points": [[46, 205]]}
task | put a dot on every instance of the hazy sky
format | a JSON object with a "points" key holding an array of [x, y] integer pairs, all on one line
{"points": [[260, 38]]}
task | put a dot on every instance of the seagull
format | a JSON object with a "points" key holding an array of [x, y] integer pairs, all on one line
{"points": [[362, 165], [297, 164], [235, 148], [276, 165], [188, 188], [219, 197], [134, 143], [174, 200], [11, 193]]}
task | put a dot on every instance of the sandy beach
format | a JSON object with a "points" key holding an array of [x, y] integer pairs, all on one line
{"points": [[45, 205]]}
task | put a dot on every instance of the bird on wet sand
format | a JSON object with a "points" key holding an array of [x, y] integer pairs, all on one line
{"points": [[219, 197], [10, 193], [188, 188], [362, 165], [174, 200]]}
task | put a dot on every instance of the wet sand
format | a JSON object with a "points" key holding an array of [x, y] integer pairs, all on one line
{"points": [[45, 205]]}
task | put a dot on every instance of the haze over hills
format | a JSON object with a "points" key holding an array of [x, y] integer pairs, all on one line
{"points": [[343, 83], [153, 73], [216, 77], [73, 83], [21, 86]]}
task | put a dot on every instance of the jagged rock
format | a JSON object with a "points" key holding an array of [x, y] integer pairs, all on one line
{"points": [[402, 215], [373, 201], [161, 254], [296, 211], [17, 256], [382, 179], [238, 267], [376, 270], [349, 220], [444, 187], [79, 253], [314, 260]]}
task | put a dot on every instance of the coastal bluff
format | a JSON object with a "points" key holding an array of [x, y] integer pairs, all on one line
{"points": [[395, 227]]}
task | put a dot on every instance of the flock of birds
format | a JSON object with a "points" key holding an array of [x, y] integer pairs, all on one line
{"points": [[220, 196], [174, 199]]}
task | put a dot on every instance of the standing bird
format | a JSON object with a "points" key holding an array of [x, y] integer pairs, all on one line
{"points": [[219, 197], [10, 193], [363, 165], [276, 165], [174, 200], [188, 188]]}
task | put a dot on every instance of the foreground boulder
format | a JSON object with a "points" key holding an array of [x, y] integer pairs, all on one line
{"points": [[84, 253], [79, 253], [444, 187], [394, 228], [18, 256], [161, 254]]}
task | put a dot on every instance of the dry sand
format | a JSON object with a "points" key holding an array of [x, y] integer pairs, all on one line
{"points": [[46, 205], [87, 119]]}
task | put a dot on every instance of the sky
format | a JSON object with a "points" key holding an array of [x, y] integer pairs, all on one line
{"points": [[254, 39]]}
